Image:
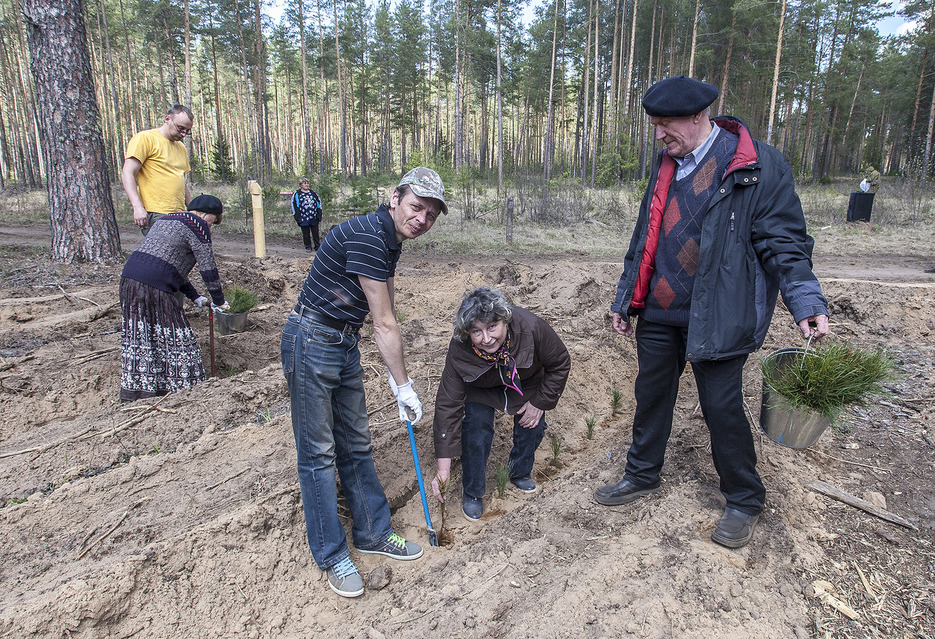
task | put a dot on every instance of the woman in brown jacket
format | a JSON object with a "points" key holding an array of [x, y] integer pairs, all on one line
{"points": [[502, 357]]}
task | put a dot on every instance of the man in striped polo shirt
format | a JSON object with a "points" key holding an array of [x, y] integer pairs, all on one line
{"points": [[352, 275]]}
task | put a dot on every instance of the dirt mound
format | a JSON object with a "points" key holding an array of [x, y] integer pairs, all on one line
{"points": [[181, 516]]}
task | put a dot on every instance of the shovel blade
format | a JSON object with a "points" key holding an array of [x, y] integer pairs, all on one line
{"points": [[433, 538]]}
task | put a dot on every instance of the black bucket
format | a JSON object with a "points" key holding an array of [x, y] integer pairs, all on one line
{"points": [[859, 207]]}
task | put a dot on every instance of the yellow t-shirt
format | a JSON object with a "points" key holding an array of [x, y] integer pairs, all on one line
{"points": [[161, 179]]}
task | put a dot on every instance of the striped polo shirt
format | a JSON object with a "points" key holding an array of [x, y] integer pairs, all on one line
{"points": [[364, 246]]}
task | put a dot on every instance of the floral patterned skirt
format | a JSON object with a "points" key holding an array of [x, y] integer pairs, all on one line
{"points": [[159, 350]]}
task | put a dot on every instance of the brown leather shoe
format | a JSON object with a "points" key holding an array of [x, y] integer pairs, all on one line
{"points": [[623, 492], [734, 529]]}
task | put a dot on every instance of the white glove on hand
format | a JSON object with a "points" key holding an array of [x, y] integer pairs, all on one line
{"points": [[201, 301], [407, 400], [393, 386], [223, 308]]}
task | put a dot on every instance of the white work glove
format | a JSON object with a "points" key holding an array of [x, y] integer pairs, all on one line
{"points": [[201, 301], [407, 400], [223, 308]]}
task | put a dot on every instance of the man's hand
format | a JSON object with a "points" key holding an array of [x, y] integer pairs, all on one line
{"points": [[406, 398], [140, 216], [816, 332], [622, 326], [444, 472], [223, 308], [530, 415], [201, 301]]}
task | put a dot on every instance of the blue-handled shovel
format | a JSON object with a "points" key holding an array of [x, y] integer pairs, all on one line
{"points": [[433, 538]]}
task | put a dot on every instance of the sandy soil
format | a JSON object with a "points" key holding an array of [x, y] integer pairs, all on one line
{"points": [[182, 518]]}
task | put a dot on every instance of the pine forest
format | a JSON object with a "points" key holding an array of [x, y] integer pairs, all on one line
{"points": [[499, 90]]}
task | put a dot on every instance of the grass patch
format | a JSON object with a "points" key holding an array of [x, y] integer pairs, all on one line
{"points": [[830, 378]]}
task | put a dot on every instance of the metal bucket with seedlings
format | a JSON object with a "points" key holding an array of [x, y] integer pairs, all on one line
{"points": [[805, 390]]}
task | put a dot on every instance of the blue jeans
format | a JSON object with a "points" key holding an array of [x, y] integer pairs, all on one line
{"points": [[476, 440], [329, 421]]}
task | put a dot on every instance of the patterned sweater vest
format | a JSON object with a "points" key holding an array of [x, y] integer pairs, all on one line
{"points": [[669, 299]]}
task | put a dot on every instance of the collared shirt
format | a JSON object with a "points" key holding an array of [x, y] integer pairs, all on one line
{"points": [[363, 246], [688, 163]]}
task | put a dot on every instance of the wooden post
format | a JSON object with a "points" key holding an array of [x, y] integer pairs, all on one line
{"points": [[509, 219], [259, 229]]}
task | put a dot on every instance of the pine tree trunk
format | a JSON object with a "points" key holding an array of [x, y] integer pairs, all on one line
{"points": [[691, 60], [772, 101], [81, 209]]}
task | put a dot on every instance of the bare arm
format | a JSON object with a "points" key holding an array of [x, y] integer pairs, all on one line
{"points": [[188, 194], [131, 167], [385, 328]]}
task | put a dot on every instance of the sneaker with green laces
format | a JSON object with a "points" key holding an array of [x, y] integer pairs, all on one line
{"points": [[395, 547], [344, 579]]}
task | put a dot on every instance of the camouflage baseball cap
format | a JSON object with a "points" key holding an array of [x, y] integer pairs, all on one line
{"points": [[425, 182]]}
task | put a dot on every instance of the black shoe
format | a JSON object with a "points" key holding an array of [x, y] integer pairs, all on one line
{"points": [[308, 249], [623, 492], [930, 270], [525, 484], [734, 529], [472, 508]]}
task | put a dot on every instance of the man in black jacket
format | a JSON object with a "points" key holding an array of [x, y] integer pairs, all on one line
{"points": [[720, 232]]}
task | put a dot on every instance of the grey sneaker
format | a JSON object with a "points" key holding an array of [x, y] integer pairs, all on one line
{"points": [[395, 547], [345, 580]]}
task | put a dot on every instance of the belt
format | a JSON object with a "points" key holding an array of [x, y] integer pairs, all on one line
{"points": [[321, 318]]}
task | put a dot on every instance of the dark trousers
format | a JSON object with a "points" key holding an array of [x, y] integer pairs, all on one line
{"points": [[661, 353], [476, 440], [309, 232]]}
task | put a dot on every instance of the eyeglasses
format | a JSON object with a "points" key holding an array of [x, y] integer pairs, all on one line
{"points": [[180, 129]]}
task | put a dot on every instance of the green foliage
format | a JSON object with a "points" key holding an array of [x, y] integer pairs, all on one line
{"points": [[829, 378], [501, 477], [615, 162], [240, 299], [615, 397], [590, 422], [556, 442], [221, 162]]}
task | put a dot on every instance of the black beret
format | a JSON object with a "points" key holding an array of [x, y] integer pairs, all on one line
{"points": [[206, 204], [678, 96]]}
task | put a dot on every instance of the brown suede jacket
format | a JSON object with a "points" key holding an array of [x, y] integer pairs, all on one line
{"points": [[543, 365]]}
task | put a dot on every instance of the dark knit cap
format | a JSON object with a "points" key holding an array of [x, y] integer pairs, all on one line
{"points": [[206, 204], [678, 97]]}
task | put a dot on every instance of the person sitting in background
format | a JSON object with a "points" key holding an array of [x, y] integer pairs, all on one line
{"points": [[501, 357], [159, 351], [306, 209]]}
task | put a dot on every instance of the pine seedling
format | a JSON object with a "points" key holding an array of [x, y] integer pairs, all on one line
{"points": [[590, 422], [556, 449], [501, 477], [614, 402]]}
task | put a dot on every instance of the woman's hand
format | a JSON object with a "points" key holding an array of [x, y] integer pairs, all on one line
{"points": [[444, 472], [530, 415]]}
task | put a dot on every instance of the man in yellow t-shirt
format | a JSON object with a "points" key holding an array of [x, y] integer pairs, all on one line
{"points": [[154, 170]]}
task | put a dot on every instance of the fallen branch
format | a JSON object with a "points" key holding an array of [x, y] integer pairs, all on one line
{"points": [[838, 494], [823, 591], [113, 528]]}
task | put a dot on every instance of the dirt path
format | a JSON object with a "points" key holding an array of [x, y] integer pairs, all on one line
{"points": [[182, 517]]}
